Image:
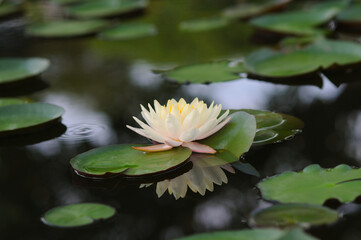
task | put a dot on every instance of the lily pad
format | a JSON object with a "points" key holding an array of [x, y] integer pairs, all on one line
{"points": [[248, 10], [17, 69], [23, 118], [66, 28], [293, 214], [205, 24], [253, 234], [299, 22], [313, 185], [236, 137], [350, 15], [124, 159], [67, 2], [75, 215], [7, 9], [12, 101], [106, 8], [274, 127], [205, 72], [126, 31], [323, 54]]}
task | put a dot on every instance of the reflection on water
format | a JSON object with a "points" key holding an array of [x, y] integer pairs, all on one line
{"points": [[205, 172]]}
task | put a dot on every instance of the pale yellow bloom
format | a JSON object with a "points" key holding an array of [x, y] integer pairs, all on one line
{"points": [[180, 124]]}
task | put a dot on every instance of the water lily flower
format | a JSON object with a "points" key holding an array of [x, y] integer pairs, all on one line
{"points": [[180, 124]]}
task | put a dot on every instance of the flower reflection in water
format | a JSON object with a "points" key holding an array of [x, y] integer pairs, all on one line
{"points": [[207, 169]]}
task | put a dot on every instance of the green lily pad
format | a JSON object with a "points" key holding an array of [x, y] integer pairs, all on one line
{"points": [[236, 137], [293, 214], [205, 72], [350, 15], [12, 101], [17, 69], [125, 160], [205, 24], [75, 215], [7, 9], [66, 28], [323, 54], [273, 127], [253, 234], [313, 185], [248, 10], [126, 31], [67, 2], [23, 118], [106, 8], [300, 22]]}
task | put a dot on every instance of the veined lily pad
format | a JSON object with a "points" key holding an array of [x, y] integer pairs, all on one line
{"points": [[66, 28], [293, 214], [205, 24], [300, 22], [273, 127], [205, 72], [313, 185], [17, 69], [254, 234], [323, 54], [7, 9], [247, 10], [12, 101], [75, 215], [127, 31], [106, 8], [124, 159], [23, 118], [236, 137]]}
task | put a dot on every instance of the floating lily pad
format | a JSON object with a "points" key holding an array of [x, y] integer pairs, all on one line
{"points": [[66, 28], [293, 214], [236, 137], [254, 234], [313, 185], [12, 101], [23, 118], [17, 69], [7, 9], [205, 72], [323, 54], [66, 2], [205, 24], [75, 215], [126, 31], [248, 10], [124, 159], [106, 8], [300, 22], [351, 15], [274, 127]]}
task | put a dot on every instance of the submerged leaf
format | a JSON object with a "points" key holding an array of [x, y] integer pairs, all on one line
{"points": [[253, 234], [205, 72], [75, 215], [313, 185], [293, 214]]}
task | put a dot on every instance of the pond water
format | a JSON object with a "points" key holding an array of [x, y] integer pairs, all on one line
{"points": [[100, 84]]}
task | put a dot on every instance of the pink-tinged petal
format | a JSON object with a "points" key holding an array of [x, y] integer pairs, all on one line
{"points": [[173, 142], [200, 148], [154, 148], [214, 130]]}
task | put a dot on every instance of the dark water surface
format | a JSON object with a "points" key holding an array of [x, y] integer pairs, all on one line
{"points": [[101, 84]]}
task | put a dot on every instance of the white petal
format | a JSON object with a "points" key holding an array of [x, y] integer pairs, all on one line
{"points": [[172, 143], [173, 126], [200, 148], [224, 115], [146, 134], [189, 135], [206, 127], [214, 130], [162, 187], [191, 121]]}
